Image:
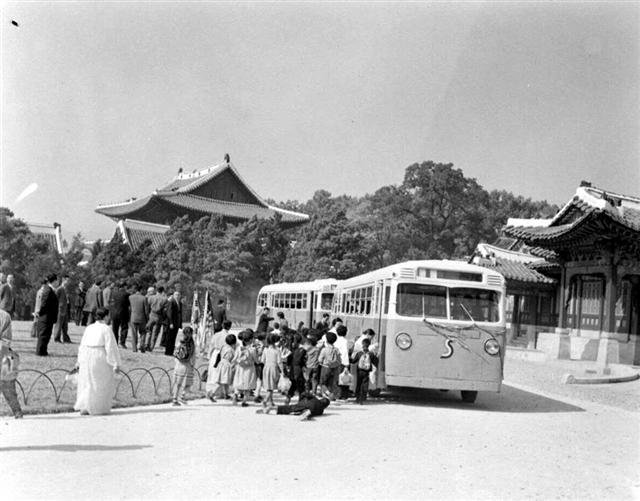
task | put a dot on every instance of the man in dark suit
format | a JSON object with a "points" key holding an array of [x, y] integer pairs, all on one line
{"points": [[47, 315], [219, 316], [119, 309], [174, 319], [80, 316], [139, 307], [62, 325]]}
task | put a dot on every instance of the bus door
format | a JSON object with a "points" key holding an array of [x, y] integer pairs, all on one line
{"points": [[382, 292], [312, 304]]}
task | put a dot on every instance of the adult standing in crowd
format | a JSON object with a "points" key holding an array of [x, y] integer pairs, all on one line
{"points": [[80, 316], [47, 315], [8, 383], [220, 316], [139, 308], [366, 334], [98, 362], [8, 295], [174, 321], [263, 321], [61, 329], [323, 325], [119, 309], [36, 308], [93, 301], [157, 303], [106, 295], [284, 323]]}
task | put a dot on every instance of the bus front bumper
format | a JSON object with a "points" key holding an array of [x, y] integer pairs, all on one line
{"points": [[441, 383]]}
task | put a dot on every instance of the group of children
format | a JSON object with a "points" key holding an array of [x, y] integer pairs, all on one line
{"points": [[306, 362]]}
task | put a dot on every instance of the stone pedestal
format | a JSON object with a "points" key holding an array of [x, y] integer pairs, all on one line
{"points": [[555, 345], [608, 350]]}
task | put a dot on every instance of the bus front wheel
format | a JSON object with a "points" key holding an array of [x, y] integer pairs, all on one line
{"points": [[468, 396]]}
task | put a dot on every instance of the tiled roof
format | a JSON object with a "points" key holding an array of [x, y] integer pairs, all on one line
{"points": [[515, 271], [230, 209], [123, 208], [137, 232], [51, 233], [582, 217], [179, 193], [488, 250], [187, 182]]}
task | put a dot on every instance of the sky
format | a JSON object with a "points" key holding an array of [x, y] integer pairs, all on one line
{"points": [[103, 101]]}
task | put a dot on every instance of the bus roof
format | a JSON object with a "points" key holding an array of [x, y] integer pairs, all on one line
{"points": [[407, 270], [321, 285]]}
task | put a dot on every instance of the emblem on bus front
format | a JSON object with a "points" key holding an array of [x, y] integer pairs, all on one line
{"points": [[448, 344]]}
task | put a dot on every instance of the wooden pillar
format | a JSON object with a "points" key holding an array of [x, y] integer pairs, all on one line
{"points": [[610, 296], [515, 316], [562, 316]]}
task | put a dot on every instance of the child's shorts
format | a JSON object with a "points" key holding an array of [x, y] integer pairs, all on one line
{"points": [[259, 368], [312, 374], [327, 375]]}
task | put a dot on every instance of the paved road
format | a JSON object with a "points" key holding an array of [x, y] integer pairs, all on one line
{"points": [[512, 445]]}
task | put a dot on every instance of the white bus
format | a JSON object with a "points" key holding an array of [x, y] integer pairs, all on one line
{"points": [[439, 324], [299, 301]]}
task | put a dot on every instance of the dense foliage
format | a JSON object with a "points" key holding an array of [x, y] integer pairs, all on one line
{"points": [[436, 212]]}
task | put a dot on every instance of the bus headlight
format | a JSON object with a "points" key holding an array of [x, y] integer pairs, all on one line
{"points": [[492, 347], [404, 341]]}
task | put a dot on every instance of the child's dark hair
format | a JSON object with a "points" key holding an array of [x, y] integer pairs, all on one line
{"points": [[226, 325], [341, 330], [247, 337], [331, 337], [273, 339], [313, 339], [230, 339], [187, 331], [297, 339], [366, 342], [276, 325], [261, 336]]}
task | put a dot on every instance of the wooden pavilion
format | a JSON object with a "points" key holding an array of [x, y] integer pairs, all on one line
{"points": [[593, 245], [217, 190]]}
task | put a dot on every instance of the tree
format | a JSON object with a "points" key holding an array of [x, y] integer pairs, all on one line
{"points": [[28, 257], [329, 246]]}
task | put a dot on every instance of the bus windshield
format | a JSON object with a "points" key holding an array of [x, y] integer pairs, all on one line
{"points": [[421, 300], [478, 305], [465, 303]]}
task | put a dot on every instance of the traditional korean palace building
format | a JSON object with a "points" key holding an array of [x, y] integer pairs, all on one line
{"points": [[573, 281], [51, 233], [217, 190]]}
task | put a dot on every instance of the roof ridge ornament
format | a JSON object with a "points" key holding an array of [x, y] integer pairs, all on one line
{"points": [[227, 158]]}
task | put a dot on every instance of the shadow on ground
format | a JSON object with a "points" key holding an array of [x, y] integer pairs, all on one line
{"points": [[120, 411], [74, 447], [508, 400]]}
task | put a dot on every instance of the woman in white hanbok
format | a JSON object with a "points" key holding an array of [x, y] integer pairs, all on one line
{"points": [[98, 362]]}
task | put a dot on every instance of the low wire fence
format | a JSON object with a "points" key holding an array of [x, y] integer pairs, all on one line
{"points": [[52, 388]]}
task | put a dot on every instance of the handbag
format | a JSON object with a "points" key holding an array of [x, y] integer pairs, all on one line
{"points": [[284, 383], [345, 378]]}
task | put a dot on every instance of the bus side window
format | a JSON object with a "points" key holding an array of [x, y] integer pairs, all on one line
{"points": [[387, 293]]}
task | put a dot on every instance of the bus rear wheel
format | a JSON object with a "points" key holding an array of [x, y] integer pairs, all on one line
{"points": [[468, 396]]}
